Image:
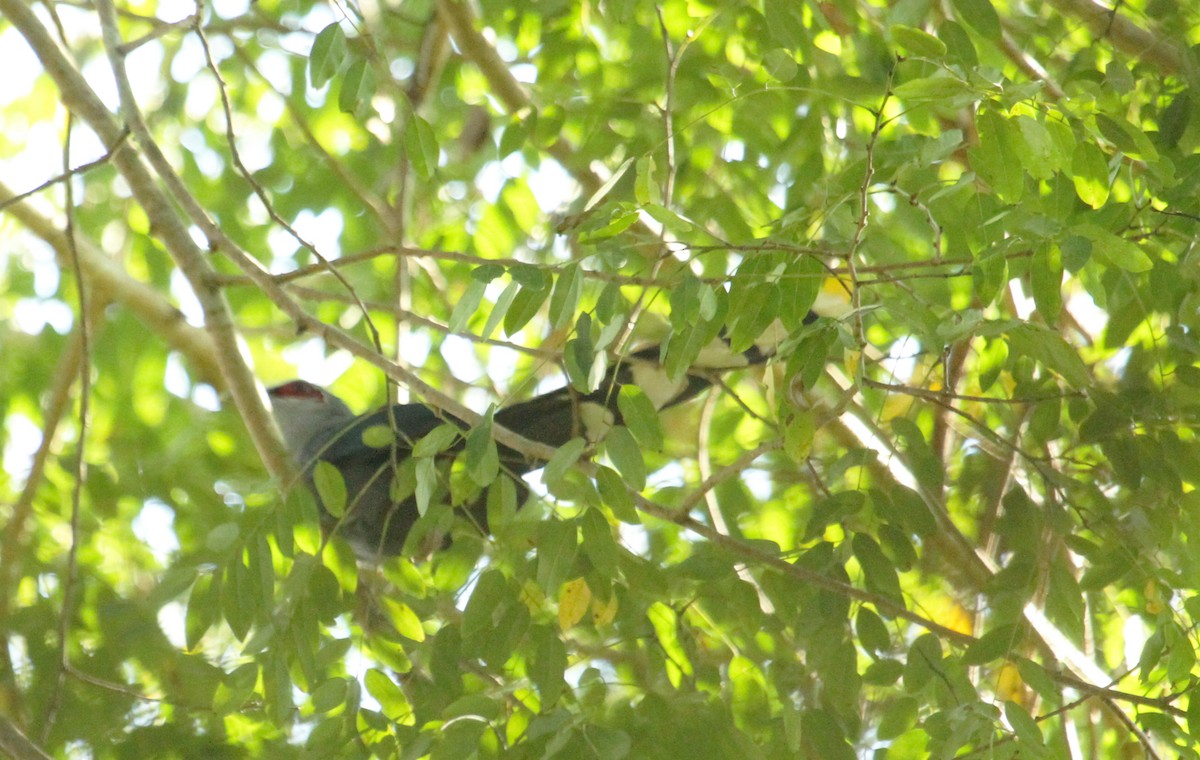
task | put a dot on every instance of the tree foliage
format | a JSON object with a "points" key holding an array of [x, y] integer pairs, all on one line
{"points": [[955, 515]]}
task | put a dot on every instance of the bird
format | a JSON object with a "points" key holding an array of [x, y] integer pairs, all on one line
{"points": [[377, 518]]}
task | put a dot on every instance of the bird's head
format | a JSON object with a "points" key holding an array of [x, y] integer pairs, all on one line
{"points": [[306, 413]]}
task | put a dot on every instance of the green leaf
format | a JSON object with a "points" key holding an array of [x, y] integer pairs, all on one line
{"points": [[482, 458], [549, 664], [524, 307], [935, 88], [640, 416], [1040, 156], [331, 487], [615, 494], [328, 52], [993, 645], [277, 688], [557, 546], [1188, 375], [427, 483], [645, 188], [678, 225], [516, 132], [1050, 350], [387, 693], [607, 187], [236, 689], [421, 147], [665, 623], [832, 509], [785, 22], [625, 454], [1089, 172], [880, 574], [222, 538], [1118, 132], [799, 430], [566, 456], [486, 598], [622, 218], [203, 605], [581, 359], [238, 603], [1114, 249], [437, 440], [503, 303], [899, 715], [598, 542], [565, 298], [405, 621], [1025, 727], [929, 470], [959, 46], [501, 501], [924, 663], [798, 289], [467, 305], [999, 142], [872, 632], [1174, 120], [823, 731], [1046, 276], [329, 694], [378, 437], [981, 16], [758, 311], [917, 41], [780, 65], [358, 87], [485, 273], [529, 276]]}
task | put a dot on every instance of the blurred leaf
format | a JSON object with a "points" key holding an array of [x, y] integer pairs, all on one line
{"points": [[1049, 349], [483, 460], [626, 455], [358, 86], [564, 458], [331, 487], [328, 52], [390, 697], [918, 42], [639, 415], [565, 298], [598, 543], [549, 663], [557, 548], [421, 147], [404, 619], [615, 493], [981, 16], [1089, 171]]}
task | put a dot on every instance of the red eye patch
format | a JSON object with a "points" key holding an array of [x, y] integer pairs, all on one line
{"points": [[297, 389]]}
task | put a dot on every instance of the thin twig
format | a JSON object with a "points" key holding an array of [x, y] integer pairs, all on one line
{"points": [[66, 175]]}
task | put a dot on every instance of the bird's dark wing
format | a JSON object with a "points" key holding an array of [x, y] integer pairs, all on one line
{"points": [[560, 415], [375, 524], [411, 423]]}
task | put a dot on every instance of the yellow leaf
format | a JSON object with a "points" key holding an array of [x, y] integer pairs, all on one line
{"points": [[604, 613], [1009, 685], [574, 596], [406, 621]]}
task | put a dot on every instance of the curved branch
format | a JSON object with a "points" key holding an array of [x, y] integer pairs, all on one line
{"points": [[1128, 37]]}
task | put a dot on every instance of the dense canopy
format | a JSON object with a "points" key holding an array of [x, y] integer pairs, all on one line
{"points": [[955, 515]]}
